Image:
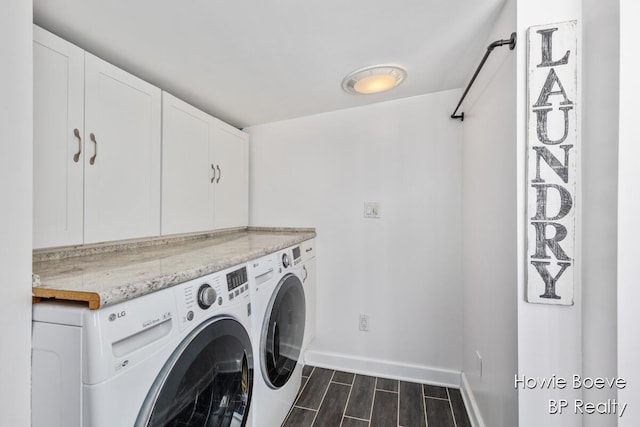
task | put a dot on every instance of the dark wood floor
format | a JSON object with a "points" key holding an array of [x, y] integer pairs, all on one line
{"points": [[330, 398]]}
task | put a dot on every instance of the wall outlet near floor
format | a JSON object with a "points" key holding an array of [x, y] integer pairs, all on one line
{"points": [[371, 209], [363, 323], [479, 363]]}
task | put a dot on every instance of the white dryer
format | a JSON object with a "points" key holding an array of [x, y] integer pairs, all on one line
{"points": [[180, 356], [278, 301], [305, 260]]}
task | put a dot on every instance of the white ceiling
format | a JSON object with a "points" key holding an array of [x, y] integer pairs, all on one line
{"points": [[257, 61]]}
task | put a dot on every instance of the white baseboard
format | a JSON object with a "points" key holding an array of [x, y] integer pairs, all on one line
{"points": [[470, 402], [383, 368]]}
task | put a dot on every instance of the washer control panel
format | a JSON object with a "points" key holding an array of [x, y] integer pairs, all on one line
{"points": [[198, 298], [206, 296], [237, 282]]}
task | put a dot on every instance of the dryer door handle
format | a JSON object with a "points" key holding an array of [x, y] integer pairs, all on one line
{"points": [[306, 273], [276, 344]]}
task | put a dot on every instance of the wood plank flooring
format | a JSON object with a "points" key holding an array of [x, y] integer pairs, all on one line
{"points": [[329, 398]]}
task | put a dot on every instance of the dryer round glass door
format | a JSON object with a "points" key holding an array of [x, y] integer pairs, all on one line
{"points": [[207, 381], [282, 331]]}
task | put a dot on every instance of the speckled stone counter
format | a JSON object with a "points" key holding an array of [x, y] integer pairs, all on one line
{"points": [[107, 274]]}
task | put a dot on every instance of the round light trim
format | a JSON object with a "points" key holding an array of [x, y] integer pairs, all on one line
{"points": [[374, 79]]}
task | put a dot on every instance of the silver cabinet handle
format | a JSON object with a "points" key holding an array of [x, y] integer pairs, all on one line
{"points": [[76, 156], [214, 173], [92, 137], [219, 174]]}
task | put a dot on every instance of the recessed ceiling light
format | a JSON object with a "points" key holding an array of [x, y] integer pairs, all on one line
{"points": [[374, 79]]}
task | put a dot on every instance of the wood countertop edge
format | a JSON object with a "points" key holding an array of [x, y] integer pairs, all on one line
{"points": [[91, 298]]}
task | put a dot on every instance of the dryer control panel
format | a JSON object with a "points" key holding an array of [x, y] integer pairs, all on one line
{"points": [[295, 251], [289, 257]]}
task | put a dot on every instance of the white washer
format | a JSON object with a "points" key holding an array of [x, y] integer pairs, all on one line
{"points": [[278, 301], [179, 356]]}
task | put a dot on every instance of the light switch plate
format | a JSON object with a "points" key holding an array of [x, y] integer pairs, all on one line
{"points": [[363, 323], [371, 210]]}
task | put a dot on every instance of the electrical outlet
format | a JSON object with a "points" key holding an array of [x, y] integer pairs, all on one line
{"points": [[371, 210], [479, 363], [363, 324]]}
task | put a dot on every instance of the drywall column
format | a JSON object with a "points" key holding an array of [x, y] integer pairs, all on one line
{"points": [[549, 337], [489, 233], [600, 60], [628, 213], [16, 127]]}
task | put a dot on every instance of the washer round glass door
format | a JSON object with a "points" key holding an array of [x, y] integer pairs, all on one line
{"points": [[206, 382], [282, 331]]}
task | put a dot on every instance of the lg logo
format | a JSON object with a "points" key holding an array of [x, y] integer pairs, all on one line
{"points": [[114, 316]]}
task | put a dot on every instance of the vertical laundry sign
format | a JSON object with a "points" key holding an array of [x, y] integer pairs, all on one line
{"points": [[552, 157]]}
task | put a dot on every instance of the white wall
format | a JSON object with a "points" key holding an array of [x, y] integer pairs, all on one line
{"points": [[403, 269], [15, 215], [549, 337], [490, 233], [600, 89], [629, 212]]}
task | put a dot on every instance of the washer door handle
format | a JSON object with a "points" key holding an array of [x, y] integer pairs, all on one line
{"points": [[244, 379]]}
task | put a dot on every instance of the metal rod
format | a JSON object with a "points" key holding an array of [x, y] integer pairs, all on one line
{"points": [[512, 44]]}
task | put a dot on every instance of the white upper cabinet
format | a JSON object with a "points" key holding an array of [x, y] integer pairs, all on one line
{"points": [[122, 156], [231, 161], [187, 187], [58, 152], [204, 171], [96, 148], [107, 145]]}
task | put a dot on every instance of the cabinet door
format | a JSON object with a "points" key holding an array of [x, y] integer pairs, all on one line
{"points": [[187, 186], [230, 155], [58, 110], [122, 159]]}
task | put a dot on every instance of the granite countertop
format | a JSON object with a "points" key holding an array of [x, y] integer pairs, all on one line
{"points": [[107, 274]]}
